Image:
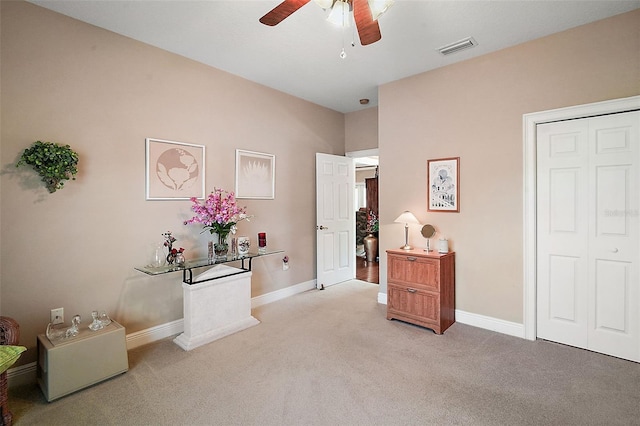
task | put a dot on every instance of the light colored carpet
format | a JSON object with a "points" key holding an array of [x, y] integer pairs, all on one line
{"points": [[331, 358]]}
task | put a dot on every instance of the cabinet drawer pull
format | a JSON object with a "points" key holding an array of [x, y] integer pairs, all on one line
{"points": [[411, 258], [412, 290]]}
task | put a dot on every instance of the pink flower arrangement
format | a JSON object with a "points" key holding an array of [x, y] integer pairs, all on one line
{"points": [[373, 225], [219, 213]]}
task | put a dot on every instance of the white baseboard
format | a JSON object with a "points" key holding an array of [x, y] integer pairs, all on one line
{"points": [[22, 375], [26, 374], [480, 321], [489, 323], [153, 334], [282, 293]]}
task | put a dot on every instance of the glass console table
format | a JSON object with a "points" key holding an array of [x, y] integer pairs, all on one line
{"points": [[187, 268]]}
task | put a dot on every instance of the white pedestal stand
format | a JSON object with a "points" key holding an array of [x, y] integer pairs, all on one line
{"points": [[217, 308]]}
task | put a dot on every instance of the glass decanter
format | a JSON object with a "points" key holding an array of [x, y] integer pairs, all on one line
{"points": [[96, 324]]}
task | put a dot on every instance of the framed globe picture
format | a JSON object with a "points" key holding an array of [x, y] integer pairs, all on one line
{"points": [[175, 170]]}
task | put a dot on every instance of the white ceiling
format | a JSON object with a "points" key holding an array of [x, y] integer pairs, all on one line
{"points": [[300, 56]]}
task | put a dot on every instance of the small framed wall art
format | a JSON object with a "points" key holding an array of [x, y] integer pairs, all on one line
{"points": [[443, 185], [255, 175], [175, 170]]}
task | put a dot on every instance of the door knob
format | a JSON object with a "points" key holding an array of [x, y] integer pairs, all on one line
{"points": [[321, 227]]}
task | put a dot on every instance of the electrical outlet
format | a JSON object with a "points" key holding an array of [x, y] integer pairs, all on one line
{"points": [[57, 316]]}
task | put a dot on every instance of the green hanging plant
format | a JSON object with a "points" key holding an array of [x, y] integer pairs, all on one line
{"points": [[54, 163]]}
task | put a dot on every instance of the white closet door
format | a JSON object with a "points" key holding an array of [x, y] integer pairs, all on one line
{"points": [[562, 227], [589, 234], [614, 305]]}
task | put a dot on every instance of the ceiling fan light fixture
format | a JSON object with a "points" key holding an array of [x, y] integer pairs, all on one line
{"points": [[340, 13], [325, 4], [378, 7]]}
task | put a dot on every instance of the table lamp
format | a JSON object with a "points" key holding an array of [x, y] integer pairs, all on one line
{"points": [[406, 217]]}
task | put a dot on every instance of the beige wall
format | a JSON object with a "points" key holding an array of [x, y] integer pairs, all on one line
{"points": [[66, 81], [69, 82], [364, 174], [473, 110], [361, 130]]}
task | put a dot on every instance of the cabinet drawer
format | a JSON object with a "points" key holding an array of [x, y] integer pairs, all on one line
{"points": [[414, 271], [414, 303]]}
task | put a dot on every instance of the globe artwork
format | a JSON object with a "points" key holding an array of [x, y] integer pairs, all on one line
{"points": [[177, 169]]}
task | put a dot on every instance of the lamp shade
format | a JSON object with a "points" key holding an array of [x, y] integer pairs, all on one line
{"points": [[340, 13], [407, 217]]}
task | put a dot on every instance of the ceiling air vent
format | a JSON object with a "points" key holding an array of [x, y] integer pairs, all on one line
{"points": [[458, 46]]}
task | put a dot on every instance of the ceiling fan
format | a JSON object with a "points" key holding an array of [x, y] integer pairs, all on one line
{"points": [[365, 14]]}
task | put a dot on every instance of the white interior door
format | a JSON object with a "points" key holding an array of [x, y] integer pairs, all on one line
{"points": [[588, 235], [562, 232], [335, 219]]}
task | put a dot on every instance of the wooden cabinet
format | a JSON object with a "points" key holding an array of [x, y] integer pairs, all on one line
{"points": [[421, 288], [372, 194], [72, 364]]}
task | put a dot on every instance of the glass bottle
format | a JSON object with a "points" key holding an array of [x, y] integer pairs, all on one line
{"points": [[96, 324]]}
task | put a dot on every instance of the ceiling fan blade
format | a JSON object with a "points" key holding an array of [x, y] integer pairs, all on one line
{"points": [[368, 29], [281, 11]]}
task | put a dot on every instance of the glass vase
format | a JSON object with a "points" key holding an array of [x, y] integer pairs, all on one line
{"points": [[159, 257], [221, 247], [221, 250]]}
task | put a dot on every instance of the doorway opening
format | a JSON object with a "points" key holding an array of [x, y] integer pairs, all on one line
{"points": [[366, 208]]}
